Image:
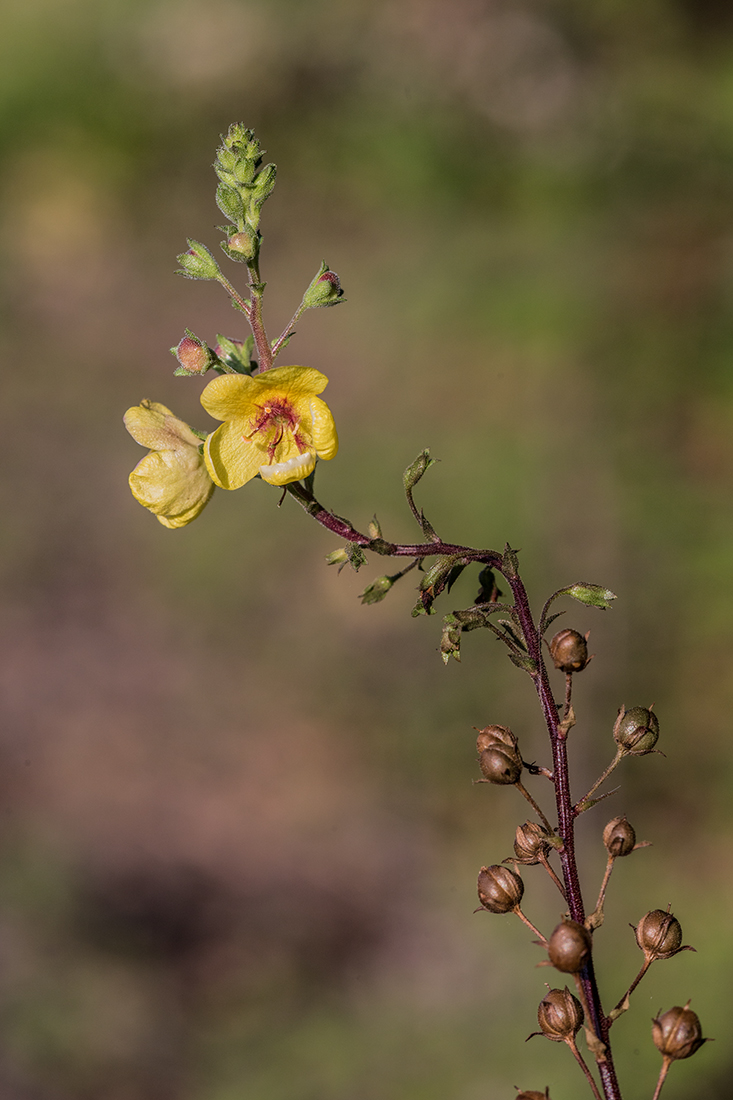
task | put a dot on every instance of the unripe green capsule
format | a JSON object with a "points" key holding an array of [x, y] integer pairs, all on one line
{"points": [[636, 731]]}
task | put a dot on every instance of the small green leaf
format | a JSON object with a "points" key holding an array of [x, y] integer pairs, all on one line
{"points": [[510, 563], [525, 663]]}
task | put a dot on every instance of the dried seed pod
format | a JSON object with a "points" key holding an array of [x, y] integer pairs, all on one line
{"points": [[619, 837], [533, 1095], [492, 736], [569, 651], [636, 730], [499, 889], [659, 935], [500, 765], [530, 842], [569, 947], [677, 1033], [560, 1015]]}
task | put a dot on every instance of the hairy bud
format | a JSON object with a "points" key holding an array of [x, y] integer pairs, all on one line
{"points": [[619, 837], [499, 889], [569, 947], [677, 1033], [659, 935], [636, 730], [530, 842], [569, 651], [560, 1015]]}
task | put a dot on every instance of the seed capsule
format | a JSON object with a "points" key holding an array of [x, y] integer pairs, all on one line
{"points": [[495, 736], [560, 1015], [636, 730], [619, 837], [499, 766], [499, 889], [677, 1033], [659, 935], [532, 1095], [569, 651], [530, 842], [569, 947]]}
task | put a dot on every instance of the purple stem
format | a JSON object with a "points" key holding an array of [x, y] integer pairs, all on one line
{"points": [[558, 737]]}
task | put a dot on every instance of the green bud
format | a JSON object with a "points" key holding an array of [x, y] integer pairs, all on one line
{"points": [[229, 201], [338, 557], [416, 469], [377, 590], [592, 594], [450, 641], [264, 184], [375, 531], [198, 263], [324, 290]]}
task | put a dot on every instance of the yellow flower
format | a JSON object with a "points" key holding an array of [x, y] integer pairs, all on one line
{"points": [[171, 481], [274, 425]]}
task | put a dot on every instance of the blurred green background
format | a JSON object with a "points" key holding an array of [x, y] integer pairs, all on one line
{"points": [[239, 836]]}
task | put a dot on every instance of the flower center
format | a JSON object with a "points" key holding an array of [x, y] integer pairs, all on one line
{"points": [[274, 418]]}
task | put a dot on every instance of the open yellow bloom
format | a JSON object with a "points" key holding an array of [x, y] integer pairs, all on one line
{"points": [[172, 481], [274, 425]]}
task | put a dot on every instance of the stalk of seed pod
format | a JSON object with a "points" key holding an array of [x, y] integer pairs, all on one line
{"points": [[620, 840], [677, 1034], [659, 936]]}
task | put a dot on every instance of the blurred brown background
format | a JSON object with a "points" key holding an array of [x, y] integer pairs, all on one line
{"points": [[239, 836]]}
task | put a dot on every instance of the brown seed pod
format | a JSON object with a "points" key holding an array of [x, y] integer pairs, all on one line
{"points": [[560, 1015], [491, 736], [500, 766], [533, 1095], [530, 842], [569, 947], [659, 935], [636, 730], [677, 1033], [569, 651], [619, 837], [499, 889]]}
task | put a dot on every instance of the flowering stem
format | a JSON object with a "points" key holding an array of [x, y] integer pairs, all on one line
{"points": [[557, 731]]}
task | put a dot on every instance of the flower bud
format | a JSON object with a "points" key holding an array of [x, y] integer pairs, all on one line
{"points": [[636, 730], [530, 842], [198, 263], [569, 651], [659, 935], [242, 246], [193, 355], [499, 889], [619, 837], [500, 766], [677, 1033], [569, 947], [325, 289], [560, 1015]]}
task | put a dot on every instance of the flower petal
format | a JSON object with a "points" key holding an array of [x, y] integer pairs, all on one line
{"points": [[231, 459], [293, 381], [153, 425], [172, 484], [325, 438], [229, 396], [296, 468]]}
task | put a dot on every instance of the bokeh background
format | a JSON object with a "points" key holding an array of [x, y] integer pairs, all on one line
{"points": [[239, 834]]}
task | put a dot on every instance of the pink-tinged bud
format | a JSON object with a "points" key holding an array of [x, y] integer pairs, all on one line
{"points": [[193, 356], [325, 290]]}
